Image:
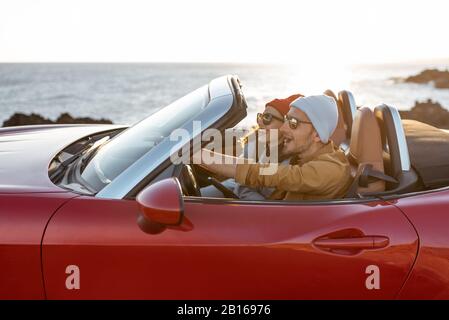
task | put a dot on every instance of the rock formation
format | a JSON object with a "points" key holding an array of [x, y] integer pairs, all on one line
{"points": [[429, 112], [439, 78], [20, 119]]}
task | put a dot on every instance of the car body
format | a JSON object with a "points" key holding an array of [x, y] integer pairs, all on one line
{"points": [[137, 232]]}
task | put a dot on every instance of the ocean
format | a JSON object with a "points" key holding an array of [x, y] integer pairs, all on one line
{"points": [[126, 93]]}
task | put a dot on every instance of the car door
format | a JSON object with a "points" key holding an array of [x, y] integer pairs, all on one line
{"points": [[428, 211], [94, 248], [23, 218]]}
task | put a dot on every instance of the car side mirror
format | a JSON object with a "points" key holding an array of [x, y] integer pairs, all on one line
{"points": [[160, 205]]}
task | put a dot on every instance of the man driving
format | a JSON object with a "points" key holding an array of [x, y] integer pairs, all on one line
{"points": [[272, 118], [317, 170]]}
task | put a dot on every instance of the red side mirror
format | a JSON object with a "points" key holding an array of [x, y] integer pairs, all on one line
{"points": [[160, 205]]}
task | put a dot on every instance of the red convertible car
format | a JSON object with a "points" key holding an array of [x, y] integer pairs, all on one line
{"points": [[100, 212]]}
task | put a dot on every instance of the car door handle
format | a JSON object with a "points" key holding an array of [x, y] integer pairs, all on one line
{"points": [[356, 243]]}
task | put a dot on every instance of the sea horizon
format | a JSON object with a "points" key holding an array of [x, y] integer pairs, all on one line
{"points": [[127, 92]]}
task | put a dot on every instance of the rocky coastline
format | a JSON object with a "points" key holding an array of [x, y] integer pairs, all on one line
{"points": [[430, 112], [439, 78], [21, 119]]}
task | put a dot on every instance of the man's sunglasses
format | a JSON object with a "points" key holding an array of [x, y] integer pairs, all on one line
{"points": [[267, 118], [293, 123]]}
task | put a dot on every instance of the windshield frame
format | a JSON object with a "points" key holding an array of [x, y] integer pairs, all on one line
{"points": [[223, 97], [125, 149]]}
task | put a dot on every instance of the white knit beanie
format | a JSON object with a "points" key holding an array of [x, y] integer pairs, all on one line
{"points": [[322, 112]]}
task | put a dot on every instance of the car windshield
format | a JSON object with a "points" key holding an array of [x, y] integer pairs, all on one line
{"points": [[126, 148]]}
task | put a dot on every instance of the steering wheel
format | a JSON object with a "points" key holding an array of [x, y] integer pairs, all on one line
{"points": [[217, 184], [192, 175], [189, 183]]}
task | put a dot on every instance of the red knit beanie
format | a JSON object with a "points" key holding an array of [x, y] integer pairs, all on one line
{"points": [[283, 105]]}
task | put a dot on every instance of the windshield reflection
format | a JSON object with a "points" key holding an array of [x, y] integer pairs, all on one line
{"points": [[126, 148]]}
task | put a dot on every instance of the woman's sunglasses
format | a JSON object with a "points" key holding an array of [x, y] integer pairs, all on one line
{"points": [[293, 123], [267, 118]]}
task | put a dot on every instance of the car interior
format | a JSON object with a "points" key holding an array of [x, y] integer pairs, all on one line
{"points": [[388, 156], [374, 142]]}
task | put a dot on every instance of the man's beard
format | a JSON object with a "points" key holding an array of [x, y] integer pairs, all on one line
{"points": [[303, 149]]}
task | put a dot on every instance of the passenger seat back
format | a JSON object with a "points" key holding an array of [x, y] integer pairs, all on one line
{"points": [[365, 149]]}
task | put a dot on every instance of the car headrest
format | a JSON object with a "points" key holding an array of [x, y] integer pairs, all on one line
{"points": [[331, 94], [393, 138]]}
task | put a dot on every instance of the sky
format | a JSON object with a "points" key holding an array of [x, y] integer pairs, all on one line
{"points": [[282, 31]]}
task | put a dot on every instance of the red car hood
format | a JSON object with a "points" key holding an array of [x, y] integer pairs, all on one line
{"points": [[26, 152]]}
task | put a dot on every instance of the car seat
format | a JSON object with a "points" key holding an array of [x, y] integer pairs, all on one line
{"points": [[365, 155], [395, 151]]}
